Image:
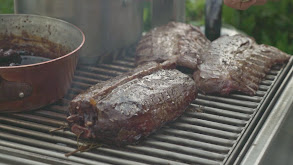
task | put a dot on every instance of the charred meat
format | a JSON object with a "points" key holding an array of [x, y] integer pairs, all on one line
{"points": [[175, 41], [235, 63], [126, 109]]}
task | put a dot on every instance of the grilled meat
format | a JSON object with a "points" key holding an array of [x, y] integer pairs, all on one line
{"points": [[235, 63], [175, 41], [126, 109]]}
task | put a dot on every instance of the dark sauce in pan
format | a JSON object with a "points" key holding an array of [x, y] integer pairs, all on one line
{"points": [[12, 57], [28, 49]]}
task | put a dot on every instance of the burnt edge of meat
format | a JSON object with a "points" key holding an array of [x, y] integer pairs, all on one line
{"points": [[88, 121]]}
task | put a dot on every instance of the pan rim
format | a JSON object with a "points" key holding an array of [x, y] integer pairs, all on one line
{"points": [[52, 60]]}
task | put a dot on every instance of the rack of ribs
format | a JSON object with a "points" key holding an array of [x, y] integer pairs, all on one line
{"points": [[235, 63]]}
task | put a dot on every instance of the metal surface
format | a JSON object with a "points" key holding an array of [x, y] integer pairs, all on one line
{"points": [[164, 11], [256, 123], [108, 24], [273, 144], [207, 133], [39, 84]]}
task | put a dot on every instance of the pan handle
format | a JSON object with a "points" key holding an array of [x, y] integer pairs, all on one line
{"points": [[12, 91]]}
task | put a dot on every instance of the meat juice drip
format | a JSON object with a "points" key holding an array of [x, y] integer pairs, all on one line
{"points": [[12, 57]]}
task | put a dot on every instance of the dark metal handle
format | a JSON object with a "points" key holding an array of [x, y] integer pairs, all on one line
{"points": [[11, 91], [213, 16]]}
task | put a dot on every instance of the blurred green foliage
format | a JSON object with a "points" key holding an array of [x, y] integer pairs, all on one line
{"points": [[147, 15], [194, 12], [6, 6], [270, 24]]}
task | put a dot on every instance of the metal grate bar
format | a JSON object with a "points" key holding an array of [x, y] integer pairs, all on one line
{"points": [[86, 80], [220, 105], [39, 119], [92, 76], [218, 118], [34, 126], [4, 157], [231, 101], [61, 149], [80, 85], [98, 70], [204, 146], [24, 157], [190, 150], [210, 124], [50, 114], [266, 82], [205, 130], [242, 97], [206, 133], [221, 112], [192, 138], [171, 155], [47, 153], [136, 156]]}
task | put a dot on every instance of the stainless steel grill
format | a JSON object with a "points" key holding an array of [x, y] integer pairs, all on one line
{"points": [[213, 130]]}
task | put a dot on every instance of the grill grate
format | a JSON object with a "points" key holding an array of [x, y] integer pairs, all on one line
{"points": [[207, 133]]}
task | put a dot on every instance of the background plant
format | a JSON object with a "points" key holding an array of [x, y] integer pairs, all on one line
{"points": [[270, 24], [6, 6]]}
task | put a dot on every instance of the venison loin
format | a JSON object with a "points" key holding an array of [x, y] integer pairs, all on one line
{"points": [[128, 108]]}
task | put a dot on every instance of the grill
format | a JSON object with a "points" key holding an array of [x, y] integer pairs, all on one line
{"points": [[213, 130]]}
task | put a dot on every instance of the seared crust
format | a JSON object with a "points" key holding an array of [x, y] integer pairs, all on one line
{"points": [[133, 109], [235, 63], [177, 41]]}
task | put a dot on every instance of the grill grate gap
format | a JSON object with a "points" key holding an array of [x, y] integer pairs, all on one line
{"points": [[86, 80], [98, 70], [219, 112], [169, 134], [209, 124], [205, 130], [171, 155], [61, 149], [197, 145], [220, 105], [38, 119], [188, 150], [230, 101], [92, 76], [217, 118], [51, 115]]}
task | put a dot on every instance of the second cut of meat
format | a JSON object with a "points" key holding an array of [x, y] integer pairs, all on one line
{"points": [[235, 63]]}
